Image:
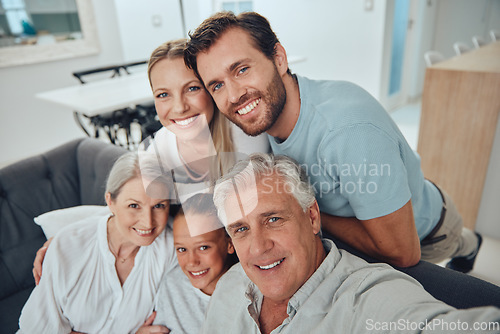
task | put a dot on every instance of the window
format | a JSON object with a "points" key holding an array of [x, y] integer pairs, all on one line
{"points": [[15, 10]]}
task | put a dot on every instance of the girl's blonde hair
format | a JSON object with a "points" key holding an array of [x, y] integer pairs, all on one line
{"points": [[219, 126]]}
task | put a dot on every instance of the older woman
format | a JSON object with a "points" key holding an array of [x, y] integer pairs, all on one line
{"points": [[101, 275]]}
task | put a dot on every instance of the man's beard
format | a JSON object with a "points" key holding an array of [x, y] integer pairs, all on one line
{"points": [[274, 98]]}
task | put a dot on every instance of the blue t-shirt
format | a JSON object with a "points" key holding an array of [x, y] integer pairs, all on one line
{"points": [[357, 159]]}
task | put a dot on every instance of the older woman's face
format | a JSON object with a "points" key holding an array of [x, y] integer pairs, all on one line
{"points": [[139, 218]]}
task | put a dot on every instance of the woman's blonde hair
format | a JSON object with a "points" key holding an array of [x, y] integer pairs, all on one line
{"points": [[219, 126]]}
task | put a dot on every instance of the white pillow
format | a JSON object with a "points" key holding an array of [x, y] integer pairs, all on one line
{"points": [[53, 221]]}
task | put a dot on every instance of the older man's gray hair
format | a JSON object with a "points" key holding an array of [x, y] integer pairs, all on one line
{"points": [[246, 173]]}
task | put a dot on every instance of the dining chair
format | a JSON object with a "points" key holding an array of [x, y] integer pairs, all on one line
{"points": [[478, 41], [433, 57], [495, 35], [460, 48]]}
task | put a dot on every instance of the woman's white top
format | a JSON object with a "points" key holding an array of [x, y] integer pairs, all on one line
{"points": [[164, 148], [80, 290]]}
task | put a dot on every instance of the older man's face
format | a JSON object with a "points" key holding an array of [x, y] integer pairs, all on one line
{"points": [[276, 242]]}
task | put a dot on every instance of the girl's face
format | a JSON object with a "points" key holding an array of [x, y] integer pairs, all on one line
{"points": [[182, 103], [203, 258], [139, 219]]}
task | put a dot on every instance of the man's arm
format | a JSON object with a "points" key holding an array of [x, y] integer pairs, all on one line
{"points": [[392, 238]]}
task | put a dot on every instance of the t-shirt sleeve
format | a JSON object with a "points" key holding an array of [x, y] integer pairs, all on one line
{"points": [[368, 168]]}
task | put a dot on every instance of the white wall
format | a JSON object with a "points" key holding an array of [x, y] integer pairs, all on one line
{"points": [[50, 6], [195, 11], [28, 125], [488, 218]]}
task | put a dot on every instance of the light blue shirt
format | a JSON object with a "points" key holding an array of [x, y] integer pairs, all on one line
{"points": [[356, 157], [344, 295]]}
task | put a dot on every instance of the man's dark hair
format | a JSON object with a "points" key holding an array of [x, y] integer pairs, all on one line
{"points": [[256, 25]]}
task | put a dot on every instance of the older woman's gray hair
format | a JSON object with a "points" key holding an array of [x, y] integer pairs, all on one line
{"points": [[246, 173]]}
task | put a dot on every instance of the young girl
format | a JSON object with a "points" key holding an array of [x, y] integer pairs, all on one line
{"points": [[205, 253]]}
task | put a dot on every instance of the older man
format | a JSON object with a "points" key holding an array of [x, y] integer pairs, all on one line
{"points": [[369, 184], [289, 280]]}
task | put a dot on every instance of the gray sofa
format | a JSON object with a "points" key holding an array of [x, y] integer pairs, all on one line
{"points": [[74, 174]]}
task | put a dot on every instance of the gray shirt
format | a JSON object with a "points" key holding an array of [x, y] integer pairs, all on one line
{"points": [[180, 306], [344, 295]]}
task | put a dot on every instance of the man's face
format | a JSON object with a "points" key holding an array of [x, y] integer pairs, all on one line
{"points": [[276, 242], [244, 83]]}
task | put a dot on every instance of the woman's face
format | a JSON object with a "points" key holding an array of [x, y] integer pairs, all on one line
{"points": [[203, 257], [139, 219], [182, 103]]}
